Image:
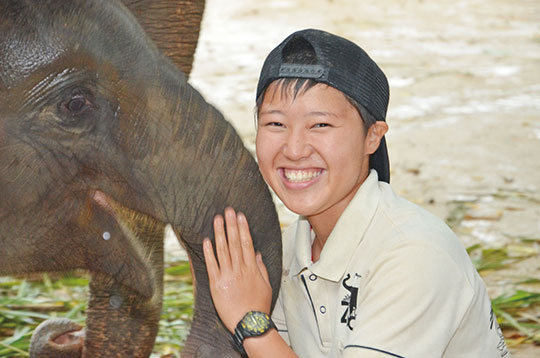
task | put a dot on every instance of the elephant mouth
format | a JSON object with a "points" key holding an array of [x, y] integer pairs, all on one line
{"points": [[126, 243]]}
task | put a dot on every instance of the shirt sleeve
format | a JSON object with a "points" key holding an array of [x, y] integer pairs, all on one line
{"points": [[411, 304]]}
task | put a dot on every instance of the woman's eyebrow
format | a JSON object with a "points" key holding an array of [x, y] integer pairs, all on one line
{"points": [[270, 111], [322, 114]]}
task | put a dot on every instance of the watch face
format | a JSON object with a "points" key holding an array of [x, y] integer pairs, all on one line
{"points": [[256, 322]]}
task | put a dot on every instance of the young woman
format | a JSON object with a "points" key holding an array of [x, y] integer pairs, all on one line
{"points": [[366, 273]]}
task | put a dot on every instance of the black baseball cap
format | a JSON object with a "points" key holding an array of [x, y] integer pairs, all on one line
{"points": [[339, 63]]}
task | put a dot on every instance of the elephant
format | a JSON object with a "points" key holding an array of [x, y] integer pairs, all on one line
{"points": [[102, 142]]}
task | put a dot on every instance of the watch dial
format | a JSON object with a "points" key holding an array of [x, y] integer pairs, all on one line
{"points": [[256, 322]]}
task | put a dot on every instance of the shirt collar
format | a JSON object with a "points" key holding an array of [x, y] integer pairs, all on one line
{"points": [[344, 238]]}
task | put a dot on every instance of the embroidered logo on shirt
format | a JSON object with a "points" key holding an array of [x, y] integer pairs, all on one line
{"points": [[349, 301]]}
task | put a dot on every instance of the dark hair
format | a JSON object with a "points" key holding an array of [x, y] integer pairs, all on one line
{"points": [[302, 85]]}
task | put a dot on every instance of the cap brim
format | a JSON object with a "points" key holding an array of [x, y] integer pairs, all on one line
{"points": [[380, 162]]}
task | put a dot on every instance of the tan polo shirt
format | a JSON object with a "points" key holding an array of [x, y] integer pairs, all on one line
{"points": [[392, 281]]}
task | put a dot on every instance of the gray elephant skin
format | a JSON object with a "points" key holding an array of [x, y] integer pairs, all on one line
{"points": [[102, 141]]}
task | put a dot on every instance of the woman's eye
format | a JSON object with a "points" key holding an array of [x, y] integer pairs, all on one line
{"points": [[275, 124], [321, 125]]}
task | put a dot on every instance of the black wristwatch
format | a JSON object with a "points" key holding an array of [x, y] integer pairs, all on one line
{"points": [[254, 323]]}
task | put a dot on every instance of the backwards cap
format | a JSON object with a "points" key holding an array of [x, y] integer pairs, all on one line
{"points": [[339, 63]]}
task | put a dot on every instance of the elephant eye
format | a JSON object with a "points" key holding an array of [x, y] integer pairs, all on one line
{"points": [[76, 104]]}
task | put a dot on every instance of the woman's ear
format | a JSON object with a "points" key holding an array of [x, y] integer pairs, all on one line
{"points": [[374, 136]]}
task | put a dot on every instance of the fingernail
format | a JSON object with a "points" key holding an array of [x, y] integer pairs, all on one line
{"points": [[241, 217]]}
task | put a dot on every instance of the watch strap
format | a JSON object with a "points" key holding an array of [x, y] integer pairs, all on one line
{"points": [[238, 340]]}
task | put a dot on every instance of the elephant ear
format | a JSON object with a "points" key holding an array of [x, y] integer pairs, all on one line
{"points": [[173, 25]]}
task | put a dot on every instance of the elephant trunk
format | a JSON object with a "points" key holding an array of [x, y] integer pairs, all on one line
{"points": [[199, 166]]}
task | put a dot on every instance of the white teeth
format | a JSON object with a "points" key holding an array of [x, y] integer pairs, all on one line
{"points": [[299, 176]]}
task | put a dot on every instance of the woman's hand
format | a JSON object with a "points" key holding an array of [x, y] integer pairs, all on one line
{"points": [[238, 278]]}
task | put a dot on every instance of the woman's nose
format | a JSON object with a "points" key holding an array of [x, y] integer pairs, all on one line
{"points": [[297, 146]]}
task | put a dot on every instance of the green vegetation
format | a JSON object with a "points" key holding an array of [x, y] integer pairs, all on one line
{"points": [[518, 310], [505, 266], [26, 302]]}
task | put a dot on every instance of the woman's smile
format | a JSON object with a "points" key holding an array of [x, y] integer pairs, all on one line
{"points": [[300, 176]]}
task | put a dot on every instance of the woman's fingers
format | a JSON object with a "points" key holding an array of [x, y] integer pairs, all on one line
{"points": [[233, 237], [234, 246], [246, 242], [210, 260], [222, 248], [262, 268]]}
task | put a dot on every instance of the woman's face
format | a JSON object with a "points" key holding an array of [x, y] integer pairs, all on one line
{"points": [[312, 149]]}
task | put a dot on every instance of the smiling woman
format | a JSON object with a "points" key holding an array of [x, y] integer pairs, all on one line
{"points": [[365, 272], [313, 150]]}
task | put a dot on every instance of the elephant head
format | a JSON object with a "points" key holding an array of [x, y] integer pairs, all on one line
{"points": [[102, 140]]}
